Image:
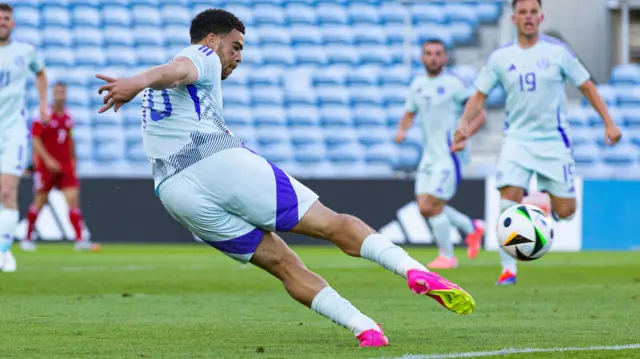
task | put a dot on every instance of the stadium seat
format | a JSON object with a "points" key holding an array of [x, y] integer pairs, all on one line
{"points": [[82, 138], [29, 35], [394, 115], [310, 154], [301, 97], [77, 96], [108, 144], [369, 116], [347, 154], [311, 55], [303, 116], [146, 16], [620, 156], [86, 16], [277, 154], [26, 17], [392, 13], [363, 14], [608, 94], [461, 33], [336, 116], [175, 15], [461, 13], [55, 57], [80, 115], [304, 136], [373, 135], [116, 16], [132, 117], [238, 117], [337, 35], [631, 116], [305, 35], [90, 56], [268, 15], [267, 96], [428, 13], [133, 148], [236, 96], [365, 95], [299, 14], [363, 76], [271, 134], [265, 76], [333, 95], [56, 16], [176, 35], [628, 95], [271, 35], [407, 158], [278, 56], [332, 14], [148, 36], [118, 36], [329, 76], [121, 56], [626, 74], [267, 115], [87, 36], [342, 55], [384, 153], [394, 95], [56, 37], [108, 119], [339, 136]]}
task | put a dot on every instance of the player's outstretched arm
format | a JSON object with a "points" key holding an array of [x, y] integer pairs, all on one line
{"points": [[612, 133], [41, 85], [180, 71], [405, 124], [471, 121]]}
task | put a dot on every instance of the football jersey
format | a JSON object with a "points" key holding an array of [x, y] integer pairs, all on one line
{"points": [[534, 80], [17, 61], [56, 138], [437, 103], [184, 124]]}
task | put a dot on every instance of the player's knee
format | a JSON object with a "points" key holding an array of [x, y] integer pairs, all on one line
{"points": [[564, 211], [430, 207]]}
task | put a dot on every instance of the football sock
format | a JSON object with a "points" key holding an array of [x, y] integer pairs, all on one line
{"points": [[32, 217], [8, 222], [379, 249], [75, 216], [340, 311], [441, 228], [508, 262], [459, 220]]}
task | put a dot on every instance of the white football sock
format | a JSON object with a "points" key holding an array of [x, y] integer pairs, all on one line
{"points": [[379, 249], [441, 228], [8, 222], [331, 305], [508, 262], [459, 220]]}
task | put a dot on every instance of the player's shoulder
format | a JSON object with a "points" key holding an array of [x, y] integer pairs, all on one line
{"points": [[418, 80], [503, 51], [21, 47], [197, 51], [453, 78], [555, 45]]}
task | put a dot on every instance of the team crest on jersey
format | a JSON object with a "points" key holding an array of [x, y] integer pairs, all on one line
{"points": [[543, 63], [441, 90]]}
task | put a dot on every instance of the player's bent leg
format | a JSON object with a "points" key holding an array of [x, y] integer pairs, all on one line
{"points": [[9, 217], [509, 197], [39, 200], [432, 209], [274, 256], [357, 239]]}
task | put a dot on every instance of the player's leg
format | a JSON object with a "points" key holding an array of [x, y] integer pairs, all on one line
{"points": [[557, 179], [432, 209], [311, 290], [472, 228], [194, 205], [11, 167], [39, 200], [512, 180], [434, 186], [70, 186]]}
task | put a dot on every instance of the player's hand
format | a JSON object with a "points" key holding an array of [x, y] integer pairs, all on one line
{"points": [[53, 165], [45, 116], [460, 139], [612, 135], [400, 136], [119, 91]]}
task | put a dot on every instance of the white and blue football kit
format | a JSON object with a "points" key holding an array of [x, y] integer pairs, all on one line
{"points": [[437, 103], [537, 138], [207, 180], [17, 62]]}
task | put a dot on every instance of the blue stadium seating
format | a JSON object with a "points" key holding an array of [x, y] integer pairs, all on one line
{"points": [[322, 84]]}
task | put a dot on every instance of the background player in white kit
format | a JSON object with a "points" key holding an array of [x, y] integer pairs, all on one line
{"points": [[437, 100], [17, 61], [537, 141], [234, 199]]}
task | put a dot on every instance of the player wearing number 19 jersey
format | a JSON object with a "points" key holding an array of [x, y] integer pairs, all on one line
{"points": [[17, 62], [533, 70], [234, 199]]}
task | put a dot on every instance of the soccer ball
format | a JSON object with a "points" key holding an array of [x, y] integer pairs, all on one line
{"points": [[525, 232]]}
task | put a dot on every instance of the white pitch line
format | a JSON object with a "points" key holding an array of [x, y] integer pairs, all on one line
{"points": [[516, 351]]}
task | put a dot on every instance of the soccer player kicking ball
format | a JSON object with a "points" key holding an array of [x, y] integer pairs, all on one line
{"points": [[533, 71], [437, 99], [55, 163], [17, 61], [235, 200]]}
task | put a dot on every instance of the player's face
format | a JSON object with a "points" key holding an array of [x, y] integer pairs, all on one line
{"points": [[434, 57], [229, 50], [6, 25], [527, 17], [60, 95]]}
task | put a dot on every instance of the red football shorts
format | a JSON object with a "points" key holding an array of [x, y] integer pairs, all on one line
{"points": [[44, 180]]}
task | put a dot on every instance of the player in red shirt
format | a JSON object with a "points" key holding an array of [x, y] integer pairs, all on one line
{"points": [[54, 166]]}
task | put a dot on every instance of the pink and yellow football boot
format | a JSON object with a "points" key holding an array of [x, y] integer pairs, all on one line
{"points": [[373, 338], [448, 294]]}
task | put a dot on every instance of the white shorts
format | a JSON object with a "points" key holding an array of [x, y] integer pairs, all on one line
{"points": [[439, 179], [554, 168], [231, 198], [13, 152]]}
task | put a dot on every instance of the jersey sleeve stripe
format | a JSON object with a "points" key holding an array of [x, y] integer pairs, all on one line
{"points": [[553, 40], [193, 93], [563, 133]]}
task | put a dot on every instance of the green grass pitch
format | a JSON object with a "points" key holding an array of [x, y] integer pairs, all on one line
{"points": [[189, 301]]}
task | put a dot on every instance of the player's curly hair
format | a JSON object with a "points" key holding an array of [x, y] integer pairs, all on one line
{"points": [[515, 2], [6, 7], [213, 21]]}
